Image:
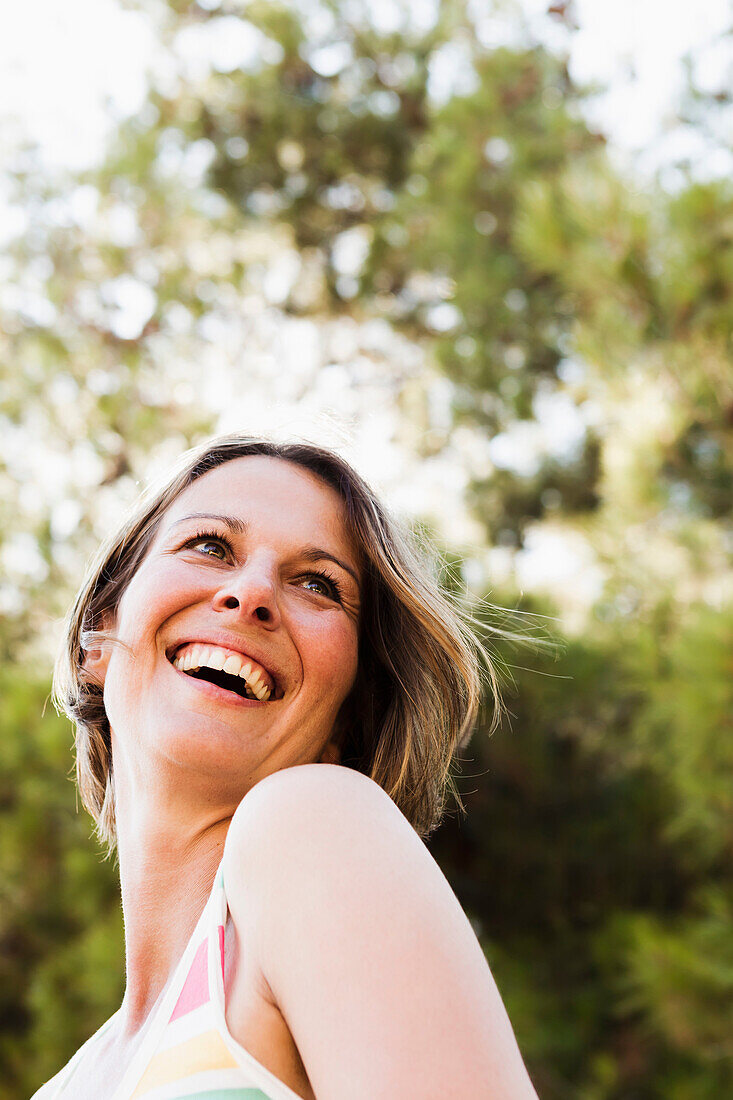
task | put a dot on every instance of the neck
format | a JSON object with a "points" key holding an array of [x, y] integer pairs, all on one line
{"points": [[166, 874]]}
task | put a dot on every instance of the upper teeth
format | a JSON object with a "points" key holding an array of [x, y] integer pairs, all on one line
{"points": [[192, 657]]}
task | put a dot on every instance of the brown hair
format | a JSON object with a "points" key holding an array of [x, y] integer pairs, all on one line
{"points": [[418, 683]]}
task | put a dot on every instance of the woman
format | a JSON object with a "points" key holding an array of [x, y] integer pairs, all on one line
{"points": [[253, 661]]}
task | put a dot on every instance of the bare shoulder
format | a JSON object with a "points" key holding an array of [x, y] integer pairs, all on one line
{"points": [[364, 945], [306, 801], [311, 830], [322, 834], [292, 789]]}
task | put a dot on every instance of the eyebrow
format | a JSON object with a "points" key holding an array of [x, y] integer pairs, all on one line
{"points": [[240, 527], [314, 553], [234, 524]]}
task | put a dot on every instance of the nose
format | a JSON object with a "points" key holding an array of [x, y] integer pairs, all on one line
{"points": [[250, 594]]}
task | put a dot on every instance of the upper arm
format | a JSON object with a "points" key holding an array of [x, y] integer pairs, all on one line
{"points": [[368, 954]]}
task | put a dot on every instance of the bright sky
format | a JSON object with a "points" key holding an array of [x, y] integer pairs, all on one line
{"points": [[635, 48], [67, 70]]}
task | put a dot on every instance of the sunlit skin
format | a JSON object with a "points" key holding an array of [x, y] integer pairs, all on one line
{"points": [[304, 634], [184, 753], [350, 967]]}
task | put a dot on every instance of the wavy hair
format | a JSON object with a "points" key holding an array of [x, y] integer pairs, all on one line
{"points": [[420, 669]]}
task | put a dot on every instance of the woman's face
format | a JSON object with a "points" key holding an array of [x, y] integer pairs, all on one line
{"points": [[252, 564]]}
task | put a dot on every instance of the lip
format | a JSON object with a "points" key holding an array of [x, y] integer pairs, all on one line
{"points": [[228, 641], [221, 695]]}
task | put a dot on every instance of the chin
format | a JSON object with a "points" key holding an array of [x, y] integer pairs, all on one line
{"points": [[203, 745]]}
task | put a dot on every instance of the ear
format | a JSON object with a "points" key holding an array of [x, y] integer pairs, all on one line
{"points": [[96, 657], [95, 662]]}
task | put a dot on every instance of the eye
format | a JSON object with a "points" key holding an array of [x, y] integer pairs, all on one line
{"points": [[213, 546], [323, 585]]}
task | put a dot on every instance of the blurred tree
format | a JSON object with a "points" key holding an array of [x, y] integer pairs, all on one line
{"points": [[61, 946], [595, 860]]}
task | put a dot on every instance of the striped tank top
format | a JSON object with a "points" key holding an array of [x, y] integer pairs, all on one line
{"points": [[188, 1051]]}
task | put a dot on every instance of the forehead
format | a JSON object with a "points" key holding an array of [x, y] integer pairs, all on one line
{"points": [[271, 492]]}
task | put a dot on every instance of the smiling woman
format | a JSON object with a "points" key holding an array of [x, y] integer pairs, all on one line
{"points": [[269, 688]]}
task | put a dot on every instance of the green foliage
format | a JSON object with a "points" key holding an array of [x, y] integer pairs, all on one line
{"points": [[62, 958], [507, 505], [684, 728], [598, 871]]}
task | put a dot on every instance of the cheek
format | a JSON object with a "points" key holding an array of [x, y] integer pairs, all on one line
{"points": [[150, 600], [153, 596], [332, 655]]}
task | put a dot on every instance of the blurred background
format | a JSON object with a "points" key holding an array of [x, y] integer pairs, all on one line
{"points": [[485, 250]]}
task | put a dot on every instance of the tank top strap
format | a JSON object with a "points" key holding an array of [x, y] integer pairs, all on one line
{"points": [[188, 987], [188, 991], [184, 1040], [188, 1051], [264, 1085], [206, 955]]}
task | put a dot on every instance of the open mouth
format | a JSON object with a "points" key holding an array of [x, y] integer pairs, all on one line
{"points": [[224, 680], [225, 668]]}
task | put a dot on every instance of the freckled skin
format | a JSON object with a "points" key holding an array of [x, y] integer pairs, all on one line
{"points": [[284, 615]]}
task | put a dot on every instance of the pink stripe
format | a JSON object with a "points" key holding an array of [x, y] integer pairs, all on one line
{"points": [[221, 949], [195, 990]]}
